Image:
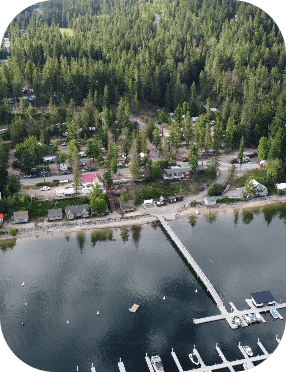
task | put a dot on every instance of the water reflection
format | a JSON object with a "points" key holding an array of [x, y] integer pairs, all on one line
{"points": [[192, 220], [236, 215], [211, 216], [124, 234], [136, 234], [80, 239], [269, 211], [247, 216], [101, 236]]}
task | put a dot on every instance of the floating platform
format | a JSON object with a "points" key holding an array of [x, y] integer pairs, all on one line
{"points": [[134, 308]]}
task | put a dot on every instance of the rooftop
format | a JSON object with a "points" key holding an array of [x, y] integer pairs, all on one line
{"points": [[261, 297]]}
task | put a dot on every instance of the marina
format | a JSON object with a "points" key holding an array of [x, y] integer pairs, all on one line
{"points": [[247, 360], [228, 316], [157, 278]]}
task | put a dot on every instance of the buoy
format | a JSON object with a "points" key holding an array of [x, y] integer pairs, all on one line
{"points": [[164, 298], [25, 303], [67, 321], [196, 290], [97, 313], [22, 323], [23, 283]]}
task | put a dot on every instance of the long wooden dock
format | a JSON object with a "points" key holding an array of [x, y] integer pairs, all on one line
{"points": [[193, 264]]}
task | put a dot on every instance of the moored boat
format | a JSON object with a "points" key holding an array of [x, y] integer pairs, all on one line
{"points": [[157, 363], [194, 359], [248, 350]]}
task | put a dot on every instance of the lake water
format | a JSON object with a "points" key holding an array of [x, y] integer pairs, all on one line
{"points": [[72, 277]]}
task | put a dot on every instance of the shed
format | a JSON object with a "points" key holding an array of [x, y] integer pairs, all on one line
{"points": [[55, 214], [77, 211], [20, 217], [171, 199], [127, 206], [210, 200], [260, 298]]}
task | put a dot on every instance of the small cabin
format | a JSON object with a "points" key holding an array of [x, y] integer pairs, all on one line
{"points": [[55, 214], [210, 200], [20, 217]]}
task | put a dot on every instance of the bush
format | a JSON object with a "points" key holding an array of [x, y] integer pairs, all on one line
{"points": [[13, 232], [215, 190]]}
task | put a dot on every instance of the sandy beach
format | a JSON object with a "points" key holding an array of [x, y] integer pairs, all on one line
{"points": [[139, 217]]}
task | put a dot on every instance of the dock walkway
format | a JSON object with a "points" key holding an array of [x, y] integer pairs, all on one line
{"points": [[193, 264]]}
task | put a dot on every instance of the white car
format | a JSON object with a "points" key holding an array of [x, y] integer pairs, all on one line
{"points": [[45, 188]]}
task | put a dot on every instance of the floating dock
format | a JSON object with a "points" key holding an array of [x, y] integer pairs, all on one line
{"points": [[134, 308]]}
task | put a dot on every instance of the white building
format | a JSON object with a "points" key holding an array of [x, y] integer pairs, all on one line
{"points": [[261, 190]]}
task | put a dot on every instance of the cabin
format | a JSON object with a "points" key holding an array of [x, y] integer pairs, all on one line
{"points": [[127, 206], [261, 298], [88, 179], [77, 211], [210, 200], [55, 214], [261, 190], [20, 217], [177, 173]]}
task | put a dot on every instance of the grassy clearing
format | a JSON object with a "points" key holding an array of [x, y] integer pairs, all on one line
{"points": [[7, 243], [66, 31]]}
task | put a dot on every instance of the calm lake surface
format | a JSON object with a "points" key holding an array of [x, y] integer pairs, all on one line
{"points": [[72, 277]]}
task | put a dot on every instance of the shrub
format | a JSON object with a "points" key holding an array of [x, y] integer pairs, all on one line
{"points": [[215, 190], [13, 232]]}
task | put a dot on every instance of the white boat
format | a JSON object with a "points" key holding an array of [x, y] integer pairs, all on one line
{"points": [[236, 321], [248, 350], [258, 317], [157, 363], [194, 359], [246, 318], [247, 366]]}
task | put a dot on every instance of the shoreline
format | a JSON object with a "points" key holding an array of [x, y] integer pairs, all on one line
{"points": [[139, 217]]}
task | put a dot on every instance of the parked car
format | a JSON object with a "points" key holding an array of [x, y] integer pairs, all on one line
{"points": [[66, 172], [185, 160], [45, 188], [212, 152], [64, 144], [82, 163], [233, 161], [246, 159], [27, 176], [46, 174]]}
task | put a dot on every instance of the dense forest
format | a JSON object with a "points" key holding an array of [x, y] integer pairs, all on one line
{"points": [[109, 56]]}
